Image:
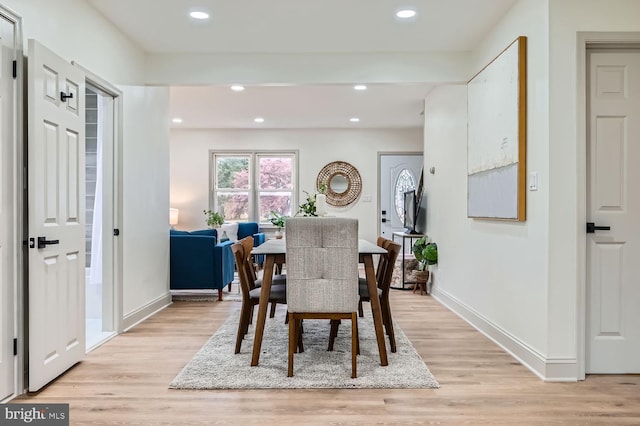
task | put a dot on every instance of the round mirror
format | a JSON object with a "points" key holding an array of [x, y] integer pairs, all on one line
{"points": [[338, 183]]}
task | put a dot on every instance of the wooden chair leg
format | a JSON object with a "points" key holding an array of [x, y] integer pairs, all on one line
{"points": [[299, 333], [388, 323], [354, 344], [273, 310], [219, 295], [360, 311], [242, 326], [333, 333], [292, 343]]}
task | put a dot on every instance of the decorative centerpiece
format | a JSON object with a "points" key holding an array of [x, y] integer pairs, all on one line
{"points": [[278, 220], [309, 207], [214, 219]]}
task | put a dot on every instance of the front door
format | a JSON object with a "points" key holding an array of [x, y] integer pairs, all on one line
{"points": [[56, 157], [613, 200], [8, 231], [398, 173]]}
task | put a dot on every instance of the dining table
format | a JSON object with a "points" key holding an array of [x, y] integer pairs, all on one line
{"points": [[275, 251]]}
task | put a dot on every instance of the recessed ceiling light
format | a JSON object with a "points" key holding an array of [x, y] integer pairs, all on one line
{"points": [[237, 88], [360, 87], [406, 13], [259, 120], [199, 14], [177, 120], [354, 120]]}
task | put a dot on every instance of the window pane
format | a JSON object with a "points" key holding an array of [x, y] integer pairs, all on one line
{"points": [[405, 182], [277, 201], [233, 206], [232, 172], [275, 172]]}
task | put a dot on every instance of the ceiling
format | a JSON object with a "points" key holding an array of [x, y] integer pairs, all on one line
{"points": [[302, 26]]}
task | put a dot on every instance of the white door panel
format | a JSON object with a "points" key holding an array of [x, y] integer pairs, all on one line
{"points": [[613, 200], [8, 231], [391, 166], [56, 156]]}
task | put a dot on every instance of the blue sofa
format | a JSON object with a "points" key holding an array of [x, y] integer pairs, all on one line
{"points": [[197, 260]]}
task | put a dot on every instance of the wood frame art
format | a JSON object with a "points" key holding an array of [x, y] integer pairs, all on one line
{"points": [[496, 137]]}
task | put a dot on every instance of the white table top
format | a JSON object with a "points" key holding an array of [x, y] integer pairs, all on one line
{"points": [[280, 247]]}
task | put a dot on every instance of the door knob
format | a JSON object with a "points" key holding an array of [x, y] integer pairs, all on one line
{"points": [[591, 228], [43, 242]]}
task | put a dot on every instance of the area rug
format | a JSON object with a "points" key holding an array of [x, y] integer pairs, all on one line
{"points": [[215, 366]]}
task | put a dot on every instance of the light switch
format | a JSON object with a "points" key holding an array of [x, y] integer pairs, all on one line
{"points": [[533, 181]]}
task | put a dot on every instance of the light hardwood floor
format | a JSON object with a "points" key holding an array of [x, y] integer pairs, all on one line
{"points": [[126, 381]]}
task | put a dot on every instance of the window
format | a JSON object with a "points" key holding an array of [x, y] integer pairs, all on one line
{"points": [[405, 182], [247, 186]]}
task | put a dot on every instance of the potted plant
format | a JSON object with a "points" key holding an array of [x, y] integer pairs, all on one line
{"points": [[308, 208], [426, 253], [278, 220], [214, 219]]}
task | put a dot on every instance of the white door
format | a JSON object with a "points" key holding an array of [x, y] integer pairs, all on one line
{"points": [[8, 229], [398, 173], [56, 156], [613, 200]]}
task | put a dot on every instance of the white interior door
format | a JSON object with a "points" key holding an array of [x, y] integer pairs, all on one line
{"points": [[398, 173], [8, 230], [56, 157], [613, 199]]}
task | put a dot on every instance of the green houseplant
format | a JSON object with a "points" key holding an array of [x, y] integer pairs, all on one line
{"points": [[308, 208], [214, 219], [278, 221], [426, 252]]}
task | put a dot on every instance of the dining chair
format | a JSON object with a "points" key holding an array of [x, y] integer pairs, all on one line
{"points": [[279, 279], [251, 293], [384, 275], [322, 275]]}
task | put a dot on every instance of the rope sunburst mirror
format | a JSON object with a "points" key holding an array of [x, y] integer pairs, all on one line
{"points": [[342, 182]]}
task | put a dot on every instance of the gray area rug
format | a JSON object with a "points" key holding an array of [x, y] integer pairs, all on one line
{"points": [[215, 366]]}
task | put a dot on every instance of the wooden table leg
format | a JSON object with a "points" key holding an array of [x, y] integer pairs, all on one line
{"points": [[375, 307], [262, 309]]}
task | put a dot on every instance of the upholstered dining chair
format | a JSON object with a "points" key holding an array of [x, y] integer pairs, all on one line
{"points": [[251, 293], [322, 275]]}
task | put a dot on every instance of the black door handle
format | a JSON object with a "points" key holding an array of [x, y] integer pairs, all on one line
{"points": [[591, 228], [43, 242]]}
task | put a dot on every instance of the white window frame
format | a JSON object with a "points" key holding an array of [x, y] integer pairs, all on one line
{"points": [[254, 185]]}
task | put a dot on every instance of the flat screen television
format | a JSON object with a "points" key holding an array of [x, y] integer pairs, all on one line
{"points": [[410, 211]]}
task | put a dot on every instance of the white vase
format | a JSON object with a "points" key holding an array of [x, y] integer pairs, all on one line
{"points": [[278, 234]]}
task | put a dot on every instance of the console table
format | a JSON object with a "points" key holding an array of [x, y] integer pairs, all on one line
{"points": [[404, 236]]}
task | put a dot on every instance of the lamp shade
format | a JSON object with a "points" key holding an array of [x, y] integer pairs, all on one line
{"points": [[173, 216]]}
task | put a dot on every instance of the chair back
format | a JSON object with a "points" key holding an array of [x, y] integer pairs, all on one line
{"points": [[246, 283], [322, 265], [393, 249], [247, 244]]}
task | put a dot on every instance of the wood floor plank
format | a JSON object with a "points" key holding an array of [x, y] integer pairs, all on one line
{"points": [[125, 381]]}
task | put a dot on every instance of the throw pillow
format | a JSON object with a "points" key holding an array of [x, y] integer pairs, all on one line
{"points": [[231, 229]]}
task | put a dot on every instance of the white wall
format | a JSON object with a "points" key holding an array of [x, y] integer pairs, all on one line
{"points": [[317, 147], [146, 198], [493, 272], [78, 33]]}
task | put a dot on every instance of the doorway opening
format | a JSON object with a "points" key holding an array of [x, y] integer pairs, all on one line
{"points": [[99, 145]]}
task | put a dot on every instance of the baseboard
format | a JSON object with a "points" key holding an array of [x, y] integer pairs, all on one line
{"points": [[547, 369], [136, 317]]}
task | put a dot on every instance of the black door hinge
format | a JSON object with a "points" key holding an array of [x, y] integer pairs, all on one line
{"points": [[15, 69], [15, 346], [116, 232]]}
